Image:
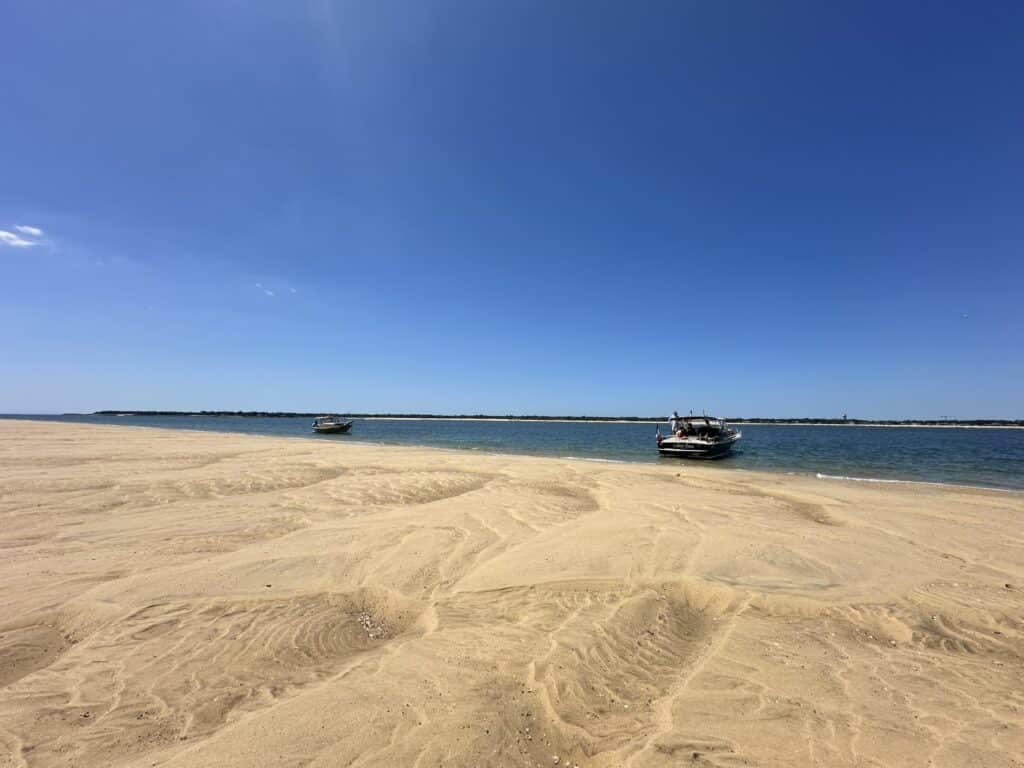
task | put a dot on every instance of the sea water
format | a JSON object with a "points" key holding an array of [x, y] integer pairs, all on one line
{"points": [[987, 457]]}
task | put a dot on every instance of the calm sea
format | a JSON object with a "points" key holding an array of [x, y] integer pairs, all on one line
{"points": [[983, 457]]}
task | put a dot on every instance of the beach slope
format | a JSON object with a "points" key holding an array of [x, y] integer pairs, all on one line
{"points": [[174, 598]]}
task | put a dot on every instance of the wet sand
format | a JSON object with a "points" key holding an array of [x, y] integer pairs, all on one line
{"points": [[174, 598]]}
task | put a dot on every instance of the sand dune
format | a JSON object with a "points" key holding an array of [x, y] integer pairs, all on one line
{"points": [[172, 598]]}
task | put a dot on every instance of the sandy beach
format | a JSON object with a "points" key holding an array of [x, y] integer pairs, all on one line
{"points": [[175, 598]]}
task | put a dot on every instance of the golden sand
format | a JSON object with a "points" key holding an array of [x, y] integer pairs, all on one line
{"points": [[172, 598]]}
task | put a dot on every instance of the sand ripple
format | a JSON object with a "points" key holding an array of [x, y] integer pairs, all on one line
{"points": [[188, 599]]}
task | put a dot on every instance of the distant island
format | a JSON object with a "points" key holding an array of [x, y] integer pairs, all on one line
{"points": [[638, 419]]}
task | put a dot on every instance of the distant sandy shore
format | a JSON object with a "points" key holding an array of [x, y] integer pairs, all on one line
{"points": [[183, 598], [231, 415], [653, 422], [665, 421]]}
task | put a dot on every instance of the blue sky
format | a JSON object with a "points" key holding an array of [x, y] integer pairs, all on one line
{"points": [[522, 207]]}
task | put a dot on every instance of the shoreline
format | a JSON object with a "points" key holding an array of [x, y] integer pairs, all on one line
{"points": [[655, 461], [665, 421], [506, 419]]}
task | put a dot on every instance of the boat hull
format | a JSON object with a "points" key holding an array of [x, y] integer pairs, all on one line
{"points": [[333, 429], [697, 449]]}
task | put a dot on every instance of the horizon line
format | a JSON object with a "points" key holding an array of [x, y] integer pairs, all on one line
{"points": [[529, 417]]}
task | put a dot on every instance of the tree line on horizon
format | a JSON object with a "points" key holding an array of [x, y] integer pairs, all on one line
{"points": [[512, 417]]}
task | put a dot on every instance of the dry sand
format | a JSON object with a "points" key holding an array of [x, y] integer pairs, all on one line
{"points": [[172, 598]]}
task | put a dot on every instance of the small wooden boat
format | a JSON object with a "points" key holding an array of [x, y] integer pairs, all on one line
{"points": [[326, 425]]}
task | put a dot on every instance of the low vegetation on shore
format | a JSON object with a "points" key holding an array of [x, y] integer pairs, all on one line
{"points": [[640, 419]]}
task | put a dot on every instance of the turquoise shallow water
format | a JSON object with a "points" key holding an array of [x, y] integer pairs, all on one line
{"points": [[983, 457]]}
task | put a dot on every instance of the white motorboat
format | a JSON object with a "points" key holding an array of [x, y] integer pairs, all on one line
{"points": [[699, 437], [326, 425]]}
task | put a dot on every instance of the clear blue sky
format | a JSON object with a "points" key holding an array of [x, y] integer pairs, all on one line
{"points": [[578, 207]]}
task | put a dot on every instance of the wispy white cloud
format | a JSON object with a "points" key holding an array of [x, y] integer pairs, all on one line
{"points": [[265, 290], [15, 241], [25, 229]]}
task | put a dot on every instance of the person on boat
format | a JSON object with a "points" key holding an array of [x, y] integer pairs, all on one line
{"points": [[673, 423]]}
